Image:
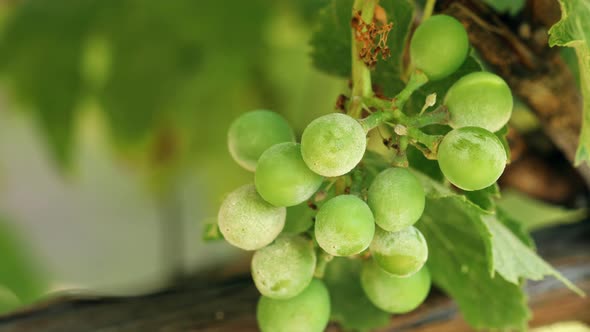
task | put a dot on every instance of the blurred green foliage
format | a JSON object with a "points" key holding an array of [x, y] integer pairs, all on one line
{"points": [[167, 75], [20, 273]]}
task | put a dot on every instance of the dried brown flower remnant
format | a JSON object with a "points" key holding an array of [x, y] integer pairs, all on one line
{"points": [[373, 37]]}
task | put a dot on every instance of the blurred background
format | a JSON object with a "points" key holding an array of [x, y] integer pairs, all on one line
{"points": [[113, 123]]}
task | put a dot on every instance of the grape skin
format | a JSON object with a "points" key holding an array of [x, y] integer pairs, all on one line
{"points": [[284, 268], [333, 144], [344, 226], [439, 46], [394, 294], [247, 221], [400, 253], [479, 99], [396, 198], [307, 312], [471, 158], [282, 178], [299, 219], [253, 132]]}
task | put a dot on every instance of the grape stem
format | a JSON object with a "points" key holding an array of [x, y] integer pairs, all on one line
{"points": [[420, 139], [417, 79], [323, 259], [361, 75]]}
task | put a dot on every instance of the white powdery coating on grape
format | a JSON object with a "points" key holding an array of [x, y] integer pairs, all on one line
{"points": [[403, 242], [332, 145], [247, 221], [408, 242], [396, 198], [285, 268], [344, 226]]}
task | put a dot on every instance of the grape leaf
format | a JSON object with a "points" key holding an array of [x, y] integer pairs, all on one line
{"points": [[573, 30], [472, 253], [440, 87], [331, 42], [19, 271], [513, 260], [458, 261], [502, 136], [517, 228], [350, 306], [387, 73], [484, 198], [534, 214]]}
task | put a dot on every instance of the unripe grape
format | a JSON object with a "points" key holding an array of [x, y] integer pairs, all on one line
{"points": [[400, 253], [299, 219], [396, 198], [252, 133], [307, 312], [479, 99], [282, 178], [284, 268], [471, 158], [439, 46], [394, 294], [8, 301], [344, 226], [249, 222], [333, 144]]}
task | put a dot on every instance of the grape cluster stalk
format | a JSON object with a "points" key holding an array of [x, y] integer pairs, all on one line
{"points": [[325, 196]]}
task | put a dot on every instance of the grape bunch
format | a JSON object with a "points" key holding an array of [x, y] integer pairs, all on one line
{"points": [[320, 198]]}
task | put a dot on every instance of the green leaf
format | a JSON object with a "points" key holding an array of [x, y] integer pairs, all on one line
{"points": [[331, 42], [440, 87], [534, 214], [19, 271], [350, 306], [510, 6], [40, 51], [211, 232], [573, 30], [459, 264], [513, 260], [8, 301], [502, 136], [484, 198], [387, 73], [473, 252], [429, 167], [516, 227]]}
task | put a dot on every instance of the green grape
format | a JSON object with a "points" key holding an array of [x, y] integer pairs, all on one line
{"points": [[284, 268], [471, 158], [479, 99], [8, 300], [333, 144], [299, 219], [344, 226], [253, 132], [400, 253], [307, 312], [282, 178], [247, 221], [396, 198], [439, 46], [393, 294]]}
